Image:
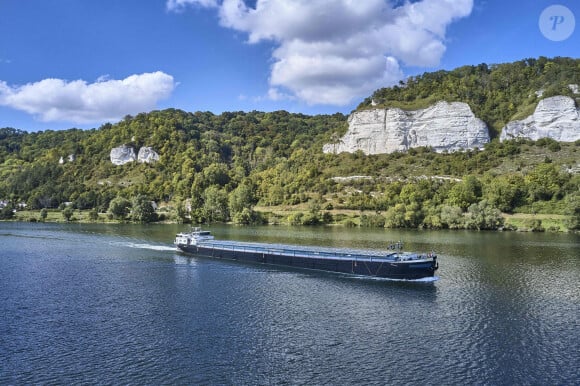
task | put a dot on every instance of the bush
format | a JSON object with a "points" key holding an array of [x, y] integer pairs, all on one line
{"points": [[372, 221], [7, 212], [248, 216], [534, 225], [93, 214], [483, 216], [67, 213], [119, 208], [452, 217], [349, 223], [142, 210], [295, 218]]}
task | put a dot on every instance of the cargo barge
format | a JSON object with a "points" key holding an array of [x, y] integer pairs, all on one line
{"points": [[391, 264]]}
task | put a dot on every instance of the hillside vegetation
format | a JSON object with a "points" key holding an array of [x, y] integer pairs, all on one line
{"points": [[496, 93], [223, 167]]}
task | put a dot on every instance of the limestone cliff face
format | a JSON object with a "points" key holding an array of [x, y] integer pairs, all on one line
{"points": [[122, 155], [125, 154], [147, 155], [556, 117], [443, 126]]}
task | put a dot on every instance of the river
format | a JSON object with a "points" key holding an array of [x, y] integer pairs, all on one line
{"points": [[116, 304]]}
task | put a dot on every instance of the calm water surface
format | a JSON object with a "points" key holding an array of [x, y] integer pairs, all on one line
{"points": [[98, 304]]}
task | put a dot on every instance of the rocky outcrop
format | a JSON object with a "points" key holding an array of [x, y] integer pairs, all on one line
{"points": [[122, 155], [443, 126], [147, 155], [556, 117], [70, 158], [125, 154]]}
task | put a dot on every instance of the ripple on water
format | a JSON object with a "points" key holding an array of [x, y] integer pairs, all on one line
{"points": [[117, 306]]}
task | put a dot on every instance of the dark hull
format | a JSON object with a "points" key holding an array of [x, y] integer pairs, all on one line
{"points": [[408, 270]]}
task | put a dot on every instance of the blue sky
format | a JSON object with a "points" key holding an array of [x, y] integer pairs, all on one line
{"points": [[81, 63]]}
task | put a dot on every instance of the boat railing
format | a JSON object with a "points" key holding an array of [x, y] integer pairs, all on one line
{"points": [[296, 252]]}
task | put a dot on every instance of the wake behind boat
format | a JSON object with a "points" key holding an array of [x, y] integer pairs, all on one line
{"points": [[393, 264]]}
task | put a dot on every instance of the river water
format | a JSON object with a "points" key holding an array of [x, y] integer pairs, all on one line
{"points": [[115, 304]]}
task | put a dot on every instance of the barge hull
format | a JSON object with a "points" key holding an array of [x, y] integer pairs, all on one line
{"points": [[407, 270]]}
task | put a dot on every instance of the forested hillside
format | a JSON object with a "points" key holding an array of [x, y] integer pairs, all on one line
{"points": [[496, 93], [223, 167]]}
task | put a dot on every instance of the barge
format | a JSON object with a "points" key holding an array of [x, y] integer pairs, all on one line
{"points": [[391, 264]]}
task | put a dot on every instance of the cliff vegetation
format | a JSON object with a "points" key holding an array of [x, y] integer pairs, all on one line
{"points": [[496, 93]]}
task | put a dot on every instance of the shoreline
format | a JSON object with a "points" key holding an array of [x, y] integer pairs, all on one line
{"points": [[517, 222]]}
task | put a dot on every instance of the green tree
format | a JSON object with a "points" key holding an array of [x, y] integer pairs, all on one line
{"points": [[182, 212], [241, 198], [119, 207], [544, 182], [465, 193], [395, 217], [43, 214], [67, 213], [142, 210], [573, 210], [452, 217], [506, 192], [215, 204], [483, 216]]}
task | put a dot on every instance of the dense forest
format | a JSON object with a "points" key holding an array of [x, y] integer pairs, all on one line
{"points": [[247, 166]]}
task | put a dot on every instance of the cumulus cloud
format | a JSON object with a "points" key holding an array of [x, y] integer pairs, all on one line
{"points": [[332, 51], [81, 102]]}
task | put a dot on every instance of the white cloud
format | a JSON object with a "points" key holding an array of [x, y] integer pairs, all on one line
{"points": [[332, 51], [179, 5], [81, 102], [276, 95]]}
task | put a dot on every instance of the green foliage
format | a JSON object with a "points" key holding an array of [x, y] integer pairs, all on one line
{"points": [[496, 93], [93, 214], [534, 225], [249, 217], [222, 166], [296, 218], [573, 210], [544, 182], [395, 217], [142, 210], [483, 216], [506, 192], [7, 212], [67, 213], [465, 193], [119, 208], [241, 198], [372, 221], [452, 217], [215, 204]]}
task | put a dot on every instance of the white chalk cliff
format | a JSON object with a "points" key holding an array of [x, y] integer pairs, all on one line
{"points": [[147, 155], [556, 117], [122, 155], [442, 126]]}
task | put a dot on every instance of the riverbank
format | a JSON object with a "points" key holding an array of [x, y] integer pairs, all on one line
{"points": [[521, 222]]}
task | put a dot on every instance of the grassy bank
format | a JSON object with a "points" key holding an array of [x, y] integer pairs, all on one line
{"points": [[522, 222]]}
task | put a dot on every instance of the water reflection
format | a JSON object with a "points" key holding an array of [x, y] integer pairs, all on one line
{"points": [[118, 304]]}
